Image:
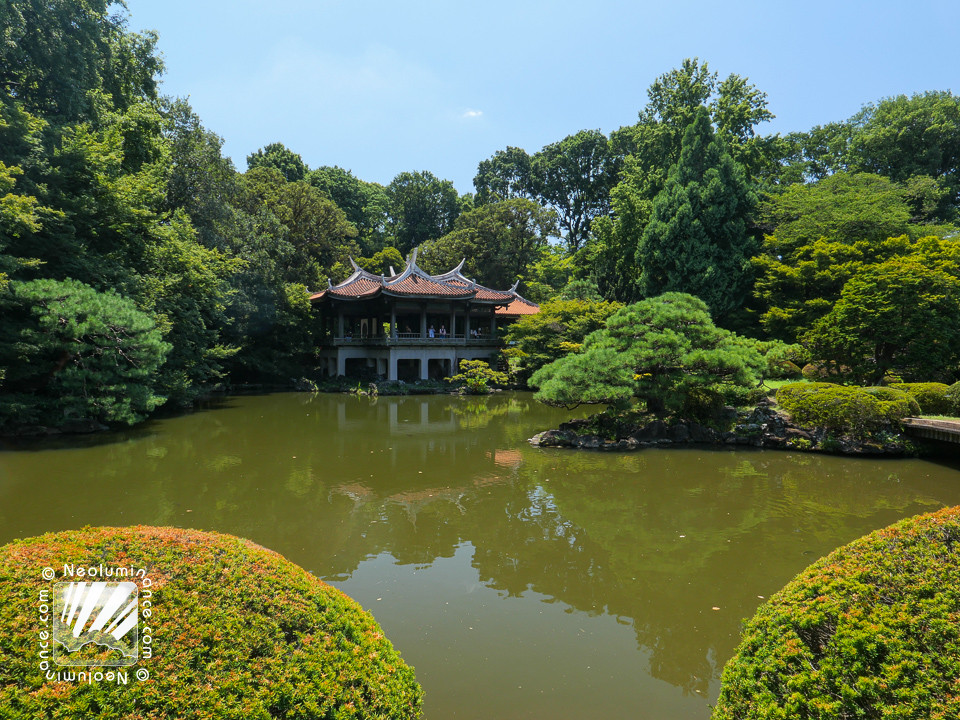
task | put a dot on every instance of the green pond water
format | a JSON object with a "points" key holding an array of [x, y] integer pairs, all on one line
{"points": [[519, 582]]}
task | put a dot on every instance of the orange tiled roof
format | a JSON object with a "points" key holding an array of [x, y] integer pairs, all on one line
{"points": [[414, 282], [519, 306], [424, 285]]}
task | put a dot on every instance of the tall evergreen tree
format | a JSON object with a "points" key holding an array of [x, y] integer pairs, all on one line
{"points": [[697, 240]]}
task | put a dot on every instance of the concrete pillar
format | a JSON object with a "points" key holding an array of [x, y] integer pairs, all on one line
{"points": [[341, 363], [424, 368], [339, 324], [493, 325], [423, 322], [393, 322], [453, 321], [392, 366], [466, 324]]}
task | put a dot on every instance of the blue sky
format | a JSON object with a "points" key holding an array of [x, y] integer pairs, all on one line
{"points": [[383, 87]]}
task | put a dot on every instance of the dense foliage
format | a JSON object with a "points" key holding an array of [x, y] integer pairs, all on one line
{"points": [[79, 353], [900, 315], [846, 409], [697, 240], [932, 397], [559, 328], [661, 351], [245, 634], [868, 631], [476, 377]]}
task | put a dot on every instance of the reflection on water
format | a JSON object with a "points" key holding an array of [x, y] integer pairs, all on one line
{"points": [[519, 582]]}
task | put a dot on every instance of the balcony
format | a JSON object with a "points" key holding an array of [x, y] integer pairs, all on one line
{"points": [[407, 339]]}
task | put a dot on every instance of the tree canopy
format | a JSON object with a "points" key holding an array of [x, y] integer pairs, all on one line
{"points": [[697, 240], [662, 351], [819, 236], [500, 240], [899, 316]]}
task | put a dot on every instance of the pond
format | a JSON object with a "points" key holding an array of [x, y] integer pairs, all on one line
{"points": [[519, 582]]}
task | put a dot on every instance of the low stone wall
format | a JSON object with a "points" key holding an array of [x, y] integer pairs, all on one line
{"points": [[763, 427]]}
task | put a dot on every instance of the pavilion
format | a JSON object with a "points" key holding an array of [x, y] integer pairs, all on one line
{"points": [[412, 325]]}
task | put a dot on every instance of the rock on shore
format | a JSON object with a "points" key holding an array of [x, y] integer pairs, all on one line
{"points": [[762, 427]]}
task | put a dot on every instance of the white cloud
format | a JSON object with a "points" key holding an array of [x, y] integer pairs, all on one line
{"points": [[472, 114]]}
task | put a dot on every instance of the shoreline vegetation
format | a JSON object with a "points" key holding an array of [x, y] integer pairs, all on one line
{"points": [[762, 427]]}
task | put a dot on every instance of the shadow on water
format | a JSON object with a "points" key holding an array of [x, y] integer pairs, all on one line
{"points": [[574, 583], [119, 434]]}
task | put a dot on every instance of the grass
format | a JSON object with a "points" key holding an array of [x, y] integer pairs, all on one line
{"points": [[776, 384]]}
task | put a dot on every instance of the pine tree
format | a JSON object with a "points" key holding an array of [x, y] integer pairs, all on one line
{"points": [[697, 239]]}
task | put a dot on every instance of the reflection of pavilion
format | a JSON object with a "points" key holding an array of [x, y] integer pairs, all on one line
{"points": [[412, 324], [402, 415]]}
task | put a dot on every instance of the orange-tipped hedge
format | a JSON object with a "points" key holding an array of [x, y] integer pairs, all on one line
{"points": [[237, 632], [871, 630]]}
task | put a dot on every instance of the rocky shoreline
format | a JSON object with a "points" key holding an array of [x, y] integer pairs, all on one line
{"points": [[763, 427]]}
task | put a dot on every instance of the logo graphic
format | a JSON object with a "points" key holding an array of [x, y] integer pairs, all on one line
{"points": [[95, 624]]}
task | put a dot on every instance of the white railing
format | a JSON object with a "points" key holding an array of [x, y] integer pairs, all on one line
{"points": [[416, 339]]}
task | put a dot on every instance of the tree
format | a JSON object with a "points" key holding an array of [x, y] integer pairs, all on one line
{"points": [[554, 332], [201, 181], [646, 151], [903, 137], [500, 242], [819, 236], [476, 376], [662, 351], [815, 154], [280, 158], [73, 352], [58, 58], [382, 261], [574, 177], [697, 240], [422, 207], [898, 316], [551, 272], [315, 230], [505, 176], [365, 204], [674, 100]]}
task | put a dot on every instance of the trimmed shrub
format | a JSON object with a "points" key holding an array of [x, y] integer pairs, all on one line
{"points": [[953, 397], [894, 404], [932, 396], [814, 372], [842, 408], [872, 630], [238, 632]]}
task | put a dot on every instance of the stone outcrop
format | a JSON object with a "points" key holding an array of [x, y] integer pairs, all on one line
{"points": [[762, 427]]}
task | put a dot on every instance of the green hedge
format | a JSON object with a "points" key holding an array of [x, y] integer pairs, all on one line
{"points": [[932, 397], [843, 408], [237, 632], [872, 630], [953, 397]]}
